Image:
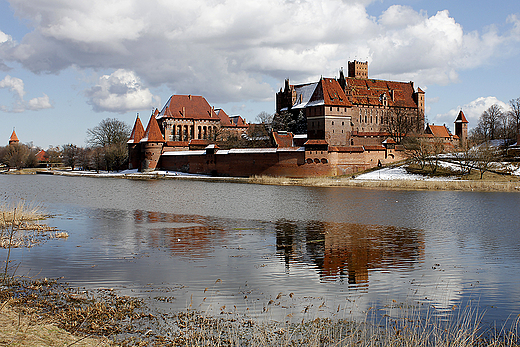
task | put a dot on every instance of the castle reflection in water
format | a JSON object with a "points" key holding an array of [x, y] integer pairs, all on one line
{"points": [[347, 252], [343, 252]]}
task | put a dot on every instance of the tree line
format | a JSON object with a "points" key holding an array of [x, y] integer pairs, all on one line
{"points": [[495, 123], [106, 149]]}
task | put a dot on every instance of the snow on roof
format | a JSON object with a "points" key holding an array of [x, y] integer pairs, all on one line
{"points": [[173, 153], [303, 94]]}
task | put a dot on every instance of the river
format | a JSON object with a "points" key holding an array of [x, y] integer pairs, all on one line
{"points": [[287, 250]]}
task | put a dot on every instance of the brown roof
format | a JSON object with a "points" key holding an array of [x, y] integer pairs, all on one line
{"points": [[330, 92], [153, 132], [316, 142], [461, 118], [189, 107], [349, 149], [13, 138], [374, 148], [137, 132], [369, 92], [283, 140], [224, 118], [438, 131]]}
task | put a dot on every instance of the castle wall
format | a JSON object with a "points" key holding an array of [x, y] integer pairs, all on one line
{"points": [[273, 162]]}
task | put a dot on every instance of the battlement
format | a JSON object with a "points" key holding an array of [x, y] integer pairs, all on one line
{"points": [[358, 69]]}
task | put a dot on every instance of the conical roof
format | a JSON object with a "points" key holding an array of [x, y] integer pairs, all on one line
{"points": [[13, 138], [137, 132], [153, 132], [461, 118]]}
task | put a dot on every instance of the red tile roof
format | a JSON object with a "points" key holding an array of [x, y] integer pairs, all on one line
{"points": [[153, 132], [369, 92], [137, 132], [283, 140], [13, 138], [224, 118], [189, 107], [438, 131], [330, 93]]}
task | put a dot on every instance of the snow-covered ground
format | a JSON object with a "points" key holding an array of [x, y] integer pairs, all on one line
{"points": [[397, 173]]}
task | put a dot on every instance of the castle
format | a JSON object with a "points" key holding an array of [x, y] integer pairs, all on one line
{"points": [[353, 123]]}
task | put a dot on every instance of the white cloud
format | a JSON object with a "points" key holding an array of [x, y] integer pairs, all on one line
{"points": [[40, 103], [4, 37], [472, 111], [227, 49], [120, 92], [16, 86]]}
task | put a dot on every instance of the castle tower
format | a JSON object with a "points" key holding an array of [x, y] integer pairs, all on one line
{"points": [[134, 148], [358, 69], [151, 145], [13, 138], [461, 129]]}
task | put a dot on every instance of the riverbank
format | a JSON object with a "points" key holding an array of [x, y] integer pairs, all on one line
{"points": [[47, 313], [377, 179]]}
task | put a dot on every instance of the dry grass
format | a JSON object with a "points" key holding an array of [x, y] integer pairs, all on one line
{"points": [[463, 185], [20, 226], [19, 329], [33, 304]]}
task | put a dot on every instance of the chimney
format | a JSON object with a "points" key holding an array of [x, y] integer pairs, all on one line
{"points": [[183, 111]]}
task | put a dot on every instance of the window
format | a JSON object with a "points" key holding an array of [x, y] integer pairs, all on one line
{"points": [[332, 122]]}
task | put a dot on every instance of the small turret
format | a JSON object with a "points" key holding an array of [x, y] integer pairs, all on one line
{"points": [[13, 138]]}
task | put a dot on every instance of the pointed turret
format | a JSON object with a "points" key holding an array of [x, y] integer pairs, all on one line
{"points": [[137, 132], [461, 129], [152, 144], [153, 132], [13, 138]]}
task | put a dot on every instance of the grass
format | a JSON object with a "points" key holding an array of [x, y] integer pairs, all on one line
{"points": [[20, 226], [48, 308], [463, 185]]}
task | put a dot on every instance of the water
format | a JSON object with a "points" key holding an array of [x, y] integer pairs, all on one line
{"points": [[290, 251]]}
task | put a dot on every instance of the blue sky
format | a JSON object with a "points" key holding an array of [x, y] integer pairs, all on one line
{"points": [[65, 66]]}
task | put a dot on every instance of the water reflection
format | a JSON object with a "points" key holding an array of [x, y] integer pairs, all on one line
{"points": [[182, 235], [346, 252]]}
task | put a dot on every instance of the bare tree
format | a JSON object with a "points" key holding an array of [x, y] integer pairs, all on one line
{"points": [[400, 122], [490, 122], [109, 131], [70, 154], [109, 140], [514, 116], [484, 156]]}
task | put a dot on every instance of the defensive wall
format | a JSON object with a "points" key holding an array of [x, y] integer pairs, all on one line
{"points": [[289, 162]]}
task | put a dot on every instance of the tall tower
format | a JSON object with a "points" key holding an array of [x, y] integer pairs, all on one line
{"points": [[151, 145], [461, 129], [134, 147], [358, 69]]}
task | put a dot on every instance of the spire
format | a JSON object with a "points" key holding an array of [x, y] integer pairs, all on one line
{"points": [[461, 118], [137, 131], [153, 132], [13, 138]]}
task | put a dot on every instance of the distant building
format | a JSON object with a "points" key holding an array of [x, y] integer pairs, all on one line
{"points": [[13, 139], [353, 110]]}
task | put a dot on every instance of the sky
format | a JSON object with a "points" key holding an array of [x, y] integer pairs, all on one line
{"points": [[67, 65]]}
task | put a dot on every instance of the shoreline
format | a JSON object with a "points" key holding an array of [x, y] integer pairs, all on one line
{"points": [[348, 182]]}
